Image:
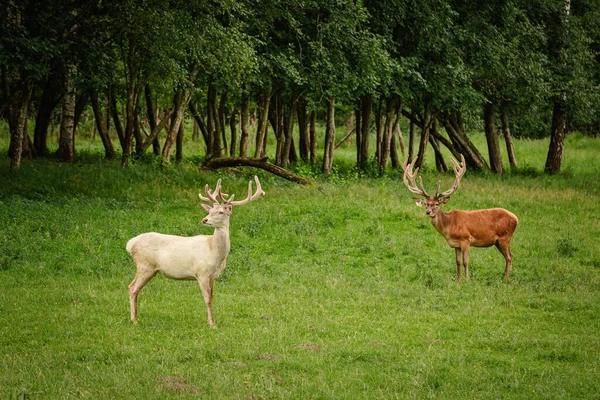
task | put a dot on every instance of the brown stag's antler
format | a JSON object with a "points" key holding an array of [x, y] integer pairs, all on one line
{"points": [[459, 171], [410, 174]]}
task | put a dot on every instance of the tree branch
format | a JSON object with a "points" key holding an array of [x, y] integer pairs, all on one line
{"points": [[256, 163]]}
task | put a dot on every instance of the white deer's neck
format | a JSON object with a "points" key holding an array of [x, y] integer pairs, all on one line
{"points": [[221, 244]]}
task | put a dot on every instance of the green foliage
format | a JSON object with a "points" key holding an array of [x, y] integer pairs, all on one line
{"points": [[454, 54], [337, 290]]}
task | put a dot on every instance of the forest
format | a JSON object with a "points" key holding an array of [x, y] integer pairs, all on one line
{"points": [[241, 71]]}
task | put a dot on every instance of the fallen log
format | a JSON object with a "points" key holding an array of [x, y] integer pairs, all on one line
{"points": [[261, 163]]}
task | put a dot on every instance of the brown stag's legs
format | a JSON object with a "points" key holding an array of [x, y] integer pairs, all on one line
{"points": [[140, 280], [458, 263], [504, 246], [465, 258], [206, 285]]}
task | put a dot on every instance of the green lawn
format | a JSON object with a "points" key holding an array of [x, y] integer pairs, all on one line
{"points": [[341, 290]]}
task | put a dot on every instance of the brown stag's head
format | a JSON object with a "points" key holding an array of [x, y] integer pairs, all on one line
{"points": [[432, 203]]}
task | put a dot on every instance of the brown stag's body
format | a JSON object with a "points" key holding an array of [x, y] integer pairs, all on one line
{"points": [[480, 228]]}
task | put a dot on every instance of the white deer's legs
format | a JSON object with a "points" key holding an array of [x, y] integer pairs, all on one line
{"points": [[206, 285], [140, 280]]}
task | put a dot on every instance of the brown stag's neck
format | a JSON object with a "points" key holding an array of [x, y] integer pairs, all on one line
{"points": [[440, 221]]}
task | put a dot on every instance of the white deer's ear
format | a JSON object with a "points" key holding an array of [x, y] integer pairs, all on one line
{"points": [[206, 207], [419, 202]]}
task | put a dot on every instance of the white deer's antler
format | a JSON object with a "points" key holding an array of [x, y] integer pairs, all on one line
{"points": [[251, 197]]}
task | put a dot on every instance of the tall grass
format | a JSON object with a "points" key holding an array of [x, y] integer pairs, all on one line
{"points": [[339, 290]]}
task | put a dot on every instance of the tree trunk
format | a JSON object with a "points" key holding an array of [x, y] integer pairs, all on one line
{"points": [[179, 143], [18, 104], [165, 120], [557, 138], [195, 131], [491, 136], [387, 133], [66, 143], [440, 164], [117, 119], [411, 137], [510, 148], [358, 131], [559, 110], [462, 143], [221, 112], [233, 131], [277, 122], [212, 121], [133, 95], [303, 128], [439, 138], [424, 134], [107, 111], [365, 129], [28, 150], [313, 137], [200, 121], [263, 122], [394, 148], [329, 138], [109, 150], [80, 104], [180, 101], [137, 134], [289, 153], [48, 102], [244, 127], [397, 130], [378, 131], [151, 118]]}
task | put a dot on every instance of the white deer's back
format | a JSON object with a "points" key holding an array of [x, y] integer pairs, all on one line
{"points": [[175, 257]]}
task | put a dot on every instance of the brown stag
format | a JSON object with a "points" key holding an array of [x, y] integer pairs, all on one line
{"points": [[463, 229]]}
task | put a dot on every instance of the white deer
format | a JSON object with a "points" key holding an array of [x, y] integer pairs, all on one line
{"points": [[462, 229], [200, 258]]}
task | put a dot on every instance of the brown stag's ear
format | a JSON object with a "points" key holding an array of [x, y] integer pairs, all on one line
{"points": [[420, 202], [444, 200], [206, 207]]}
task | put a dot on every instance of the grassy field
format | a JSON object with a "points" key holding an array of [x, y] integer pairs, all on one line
{"points": [[342, 290]]}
